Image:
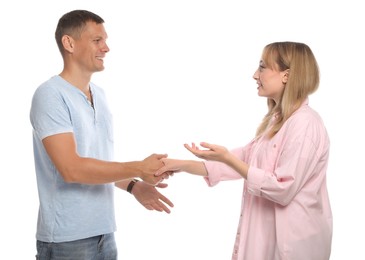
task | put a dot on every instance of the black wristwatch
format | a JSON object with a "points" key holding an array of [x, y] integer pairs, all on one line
{"points": [[131, 184]]}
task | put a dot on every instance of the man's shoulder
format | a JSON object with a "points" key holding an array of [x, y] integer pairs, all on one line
{"points": [[48, 85]]}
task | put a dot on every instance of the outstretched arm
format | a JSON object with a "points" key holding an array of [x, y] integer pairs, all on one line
{"points": [[219, 153], [212, 152], [61, 149], [189, 166]]}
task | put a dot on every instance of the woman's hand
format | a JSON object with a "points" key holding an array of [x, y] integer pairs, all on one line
{"points": [[212, 152]]}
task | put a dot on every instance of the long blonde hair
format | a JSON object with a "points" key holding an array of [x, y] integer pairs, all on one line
{"points": [[303, 80]]}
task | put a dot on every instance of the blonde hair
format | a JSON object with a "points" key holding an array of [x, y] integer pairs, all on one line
{"points": [[303, 80]]}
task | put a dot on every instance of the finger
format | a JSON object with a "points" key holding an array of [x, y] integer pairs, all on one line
{"points": [[166, 175], [160, 171], [190, 148], [193, 146], [159, 180], [206, 145], [162, 185], [156, 205], [197, 152], [163, 160], [159, 206], [149, 207], [160, 156], [166, 200], [166, 209]]}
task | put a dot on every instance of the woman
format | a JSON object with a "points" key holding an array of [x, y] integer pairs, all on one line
{"points": [[285, 212]]}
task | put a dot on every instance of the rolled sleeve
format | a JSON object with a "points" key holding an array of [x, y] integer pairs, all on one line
{"points": [[218, 171], [255, 179]]}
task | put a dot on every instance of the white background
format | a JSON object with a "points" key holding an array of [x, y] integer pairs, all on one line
{"points": [[177, 72]]}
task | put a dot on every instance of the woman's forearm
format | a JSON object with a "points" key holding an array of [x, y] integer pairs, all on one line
{"points": [[238, 165], [194, 167]]}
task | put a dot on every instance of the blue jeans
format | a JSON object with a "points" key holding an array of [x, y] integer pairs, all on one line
{"points": [[101, 247]]}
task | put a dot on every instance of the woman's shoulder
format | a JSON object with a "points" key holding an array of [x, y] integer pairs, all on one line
{"points": [[306, 122], [306, 114]]}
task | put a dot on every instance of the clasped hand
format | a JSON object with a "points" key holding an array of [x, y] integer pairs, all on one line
{"points": [[151, 165]]}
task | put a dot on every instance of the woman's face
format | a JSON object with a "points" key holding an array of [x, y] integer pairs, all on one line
{"points": [[271, 82]]}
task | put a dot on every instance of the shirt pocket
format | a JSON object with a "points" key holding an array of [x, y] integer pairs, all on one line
{"points": [[105, 126]]}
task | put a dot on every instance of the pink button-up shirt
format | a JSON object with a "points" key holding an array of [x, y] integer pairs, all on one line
{"points": [[286, 213]]}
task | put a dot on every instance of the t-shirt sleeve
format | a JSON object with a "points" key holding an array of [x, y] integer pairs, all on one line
{"points": [[49, 114]]}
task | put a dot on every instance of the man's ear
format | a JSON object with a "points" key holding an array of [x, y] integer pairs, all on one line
{"points": [[68, 43]]}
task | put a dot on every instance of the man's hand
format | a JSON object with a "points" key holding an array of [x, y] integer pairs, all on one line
{"points": [[150, 197], [150, 166]]}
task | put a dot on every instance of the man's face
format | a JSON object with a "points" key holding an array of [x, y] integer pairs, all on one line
{"points": [[91, 47]]}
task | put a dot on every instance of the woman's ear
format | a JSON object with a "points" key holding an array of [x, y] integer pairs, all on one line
{"points": [[285, 76]]}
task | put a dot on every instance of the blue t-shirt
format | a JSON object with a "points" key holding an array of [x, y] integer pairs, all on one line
{"points": [[70, 211]]}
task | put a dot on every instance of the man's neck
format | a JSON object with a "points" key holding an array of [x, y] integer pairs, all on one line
{"points": [[79, 80]]}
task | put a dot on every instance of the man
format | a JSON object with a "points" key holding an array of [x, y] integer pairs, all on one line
{"points": [[73, 152]]}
